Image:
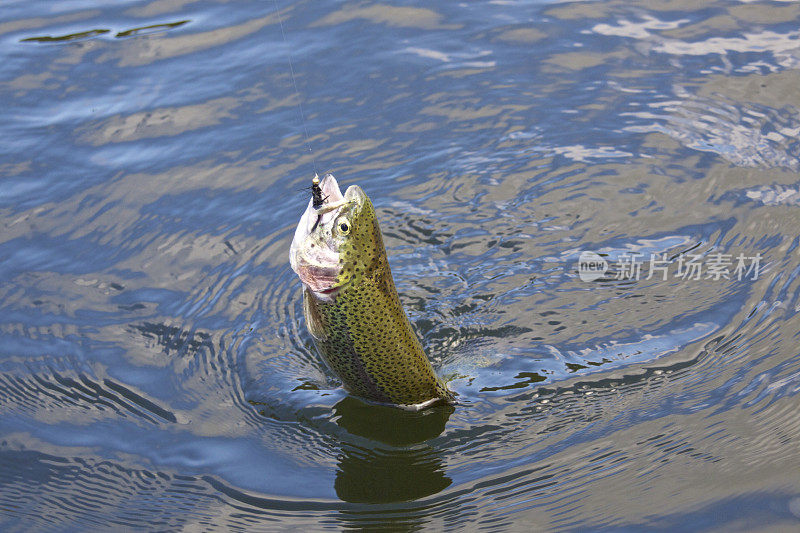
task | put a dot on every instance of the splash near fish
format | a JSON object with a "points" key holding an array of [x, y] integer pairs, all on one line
{"points": [[350, 303]]}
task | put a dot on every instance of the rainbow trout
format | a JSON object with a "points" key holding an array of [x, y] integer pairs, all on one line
{"points": [[350, 303]]}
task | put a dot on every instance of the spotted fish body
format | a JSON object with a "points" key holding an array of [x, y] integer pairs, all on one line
{"points": [[351, 305]]}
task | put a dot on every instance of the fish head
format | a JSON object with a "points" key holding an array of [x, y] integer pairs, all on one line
{"points": [[337, 242]]}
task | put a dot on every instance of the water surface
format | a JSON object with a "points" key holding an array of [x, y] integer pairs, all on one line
{"points": [[155, 370]]}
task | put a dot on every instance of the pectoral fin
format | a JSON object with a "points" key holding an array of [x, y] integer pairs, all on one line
{"points": [[313, 320]]}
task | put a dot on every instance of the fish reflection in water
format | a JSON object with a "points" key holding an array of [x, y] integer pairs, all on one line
{"points": [[403, 465]]}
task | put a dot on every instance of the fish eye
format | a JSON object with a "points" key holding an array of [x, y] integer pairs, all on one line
{"points": [[344, 227]]}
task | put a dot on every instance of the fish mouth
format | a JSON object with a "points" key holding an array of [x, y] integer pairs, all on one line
{"points": [[320, 279], [313, 254], [328, 294]]}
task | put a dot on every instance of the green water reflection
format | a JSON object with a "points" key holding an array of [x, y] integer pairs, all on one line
{"points": [[403, 466]]}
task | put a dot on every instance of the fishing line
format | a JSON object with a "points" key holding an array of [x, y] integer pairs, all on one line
{"points": [[296, 92]]}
